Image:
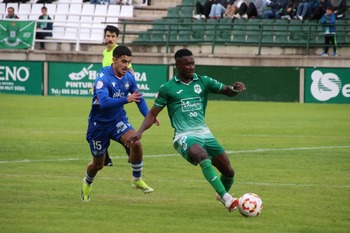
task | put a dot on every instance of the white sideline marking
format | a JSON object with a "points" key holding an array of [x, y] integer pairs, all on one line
{"points": [[171, 155]]}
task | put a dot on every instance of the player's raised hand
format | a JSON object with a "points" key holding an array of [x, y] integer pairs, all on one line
{"points": [[239, 86], [133, 138], [135, 97]]}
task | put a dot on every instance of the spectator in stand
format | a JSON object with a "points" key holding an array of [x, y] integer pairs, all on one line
{"points": [[248, 9], [15, 1], [276, 6], [289, 11], [49, 1], [230, 10], [234, 9], [44, 28], [11, 13], [119, 2], [339, 8], [259, 5], [305, 9], [95, 2], [328, 23], [320, 10], [218, 8], [202, 11]]}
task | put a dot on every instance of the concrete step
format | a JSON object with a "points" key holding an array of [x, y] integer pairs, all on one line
{"points": [[166, 3], [150, 11]]}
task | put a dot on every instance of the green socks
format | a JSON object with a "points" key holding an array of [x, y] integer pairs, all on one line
{"points": [[212, 177], [227, 182]]}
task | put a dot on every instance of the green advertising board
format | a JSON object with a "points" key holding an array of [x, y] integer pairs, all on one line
{"points": [[278, 84], [16, 34], [77, 79], [150, 78], [21, 77], [327, 85], [72, 79]]}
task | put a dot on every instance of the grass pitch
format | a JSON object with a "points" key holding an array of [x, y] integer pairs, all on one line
{"points": [[295, 156]]}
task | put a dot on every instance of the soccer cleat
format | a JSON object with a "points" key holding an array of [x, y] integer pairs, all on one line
{"points": [[231, 205], [140, 184], [324, 54], [218, 198], [335, 54], [85, 192], [108, 163]]}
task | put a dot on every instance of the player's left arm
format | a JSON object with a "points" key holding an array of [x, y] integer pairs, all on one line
{"points": [[233, 90], [217, 87]]}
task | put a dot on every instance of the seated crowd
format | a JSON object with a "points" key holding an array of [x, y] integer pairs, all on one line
{"points": [[269, 9], [119, 2]]}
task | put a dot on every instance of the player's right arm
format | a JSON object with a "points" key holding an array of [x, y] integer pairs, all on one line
{"points": [[149, 120], [103, 95]]}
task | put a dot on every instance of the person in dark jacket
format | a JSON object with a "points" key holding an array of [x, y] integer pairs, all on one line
{"points": [[339, 8], [11, 13], [43, 28], [276, 7], [320, 10], [328, 23], [203, 10]]}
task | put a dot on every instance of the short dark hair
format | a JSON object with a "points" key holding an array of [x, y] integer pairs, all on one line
{"points": [[182, 53], [111, 28], [44, 8], [121, 50]]}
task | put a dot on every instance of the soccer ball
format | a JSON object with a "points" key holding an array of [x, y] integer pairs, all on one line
{"points": [[250, 205]]}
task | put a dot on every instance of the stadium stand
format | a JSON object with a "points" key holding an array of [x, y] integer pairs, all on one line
{"points": [[24, 10], [82, 23], [257, 32]]}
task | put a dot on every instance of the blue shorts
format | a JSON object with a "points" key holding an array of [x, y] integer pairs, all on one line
{"points": [[207, 141], [99, 135]]}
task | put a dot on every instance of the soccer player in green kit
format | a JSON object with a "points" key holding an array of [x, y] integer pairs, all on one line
{"points": [[186, 97]]}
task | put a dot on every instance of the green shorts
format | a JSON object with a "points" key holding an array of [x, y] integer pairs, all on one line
{"points": [[208, 142]]}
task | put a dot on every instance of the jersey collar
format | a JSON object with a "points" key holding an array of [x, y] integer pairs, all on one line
{"points": [[195, 77]]}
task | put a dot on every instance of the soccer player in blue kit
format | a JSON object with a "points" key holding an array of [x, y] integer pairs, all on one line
{"points": [[186, 97], [108, 120]]}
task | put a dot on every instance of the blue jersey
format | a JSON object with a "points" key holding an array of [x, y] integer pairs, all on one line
{"points": [[109, 96]]}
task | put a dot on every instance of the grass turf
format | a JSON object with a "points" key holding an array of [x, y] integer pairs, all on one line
{"points": [[295, 156]]}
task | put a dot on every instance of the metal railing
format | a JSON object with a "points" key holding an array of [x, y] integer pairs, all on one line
{"points": [[282, 34]]}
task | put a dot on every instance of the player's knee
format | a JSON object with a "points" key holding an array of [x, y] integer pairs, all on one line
{"points": [[229, 172], [197, 153], [98, 167], [136, 145]]}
